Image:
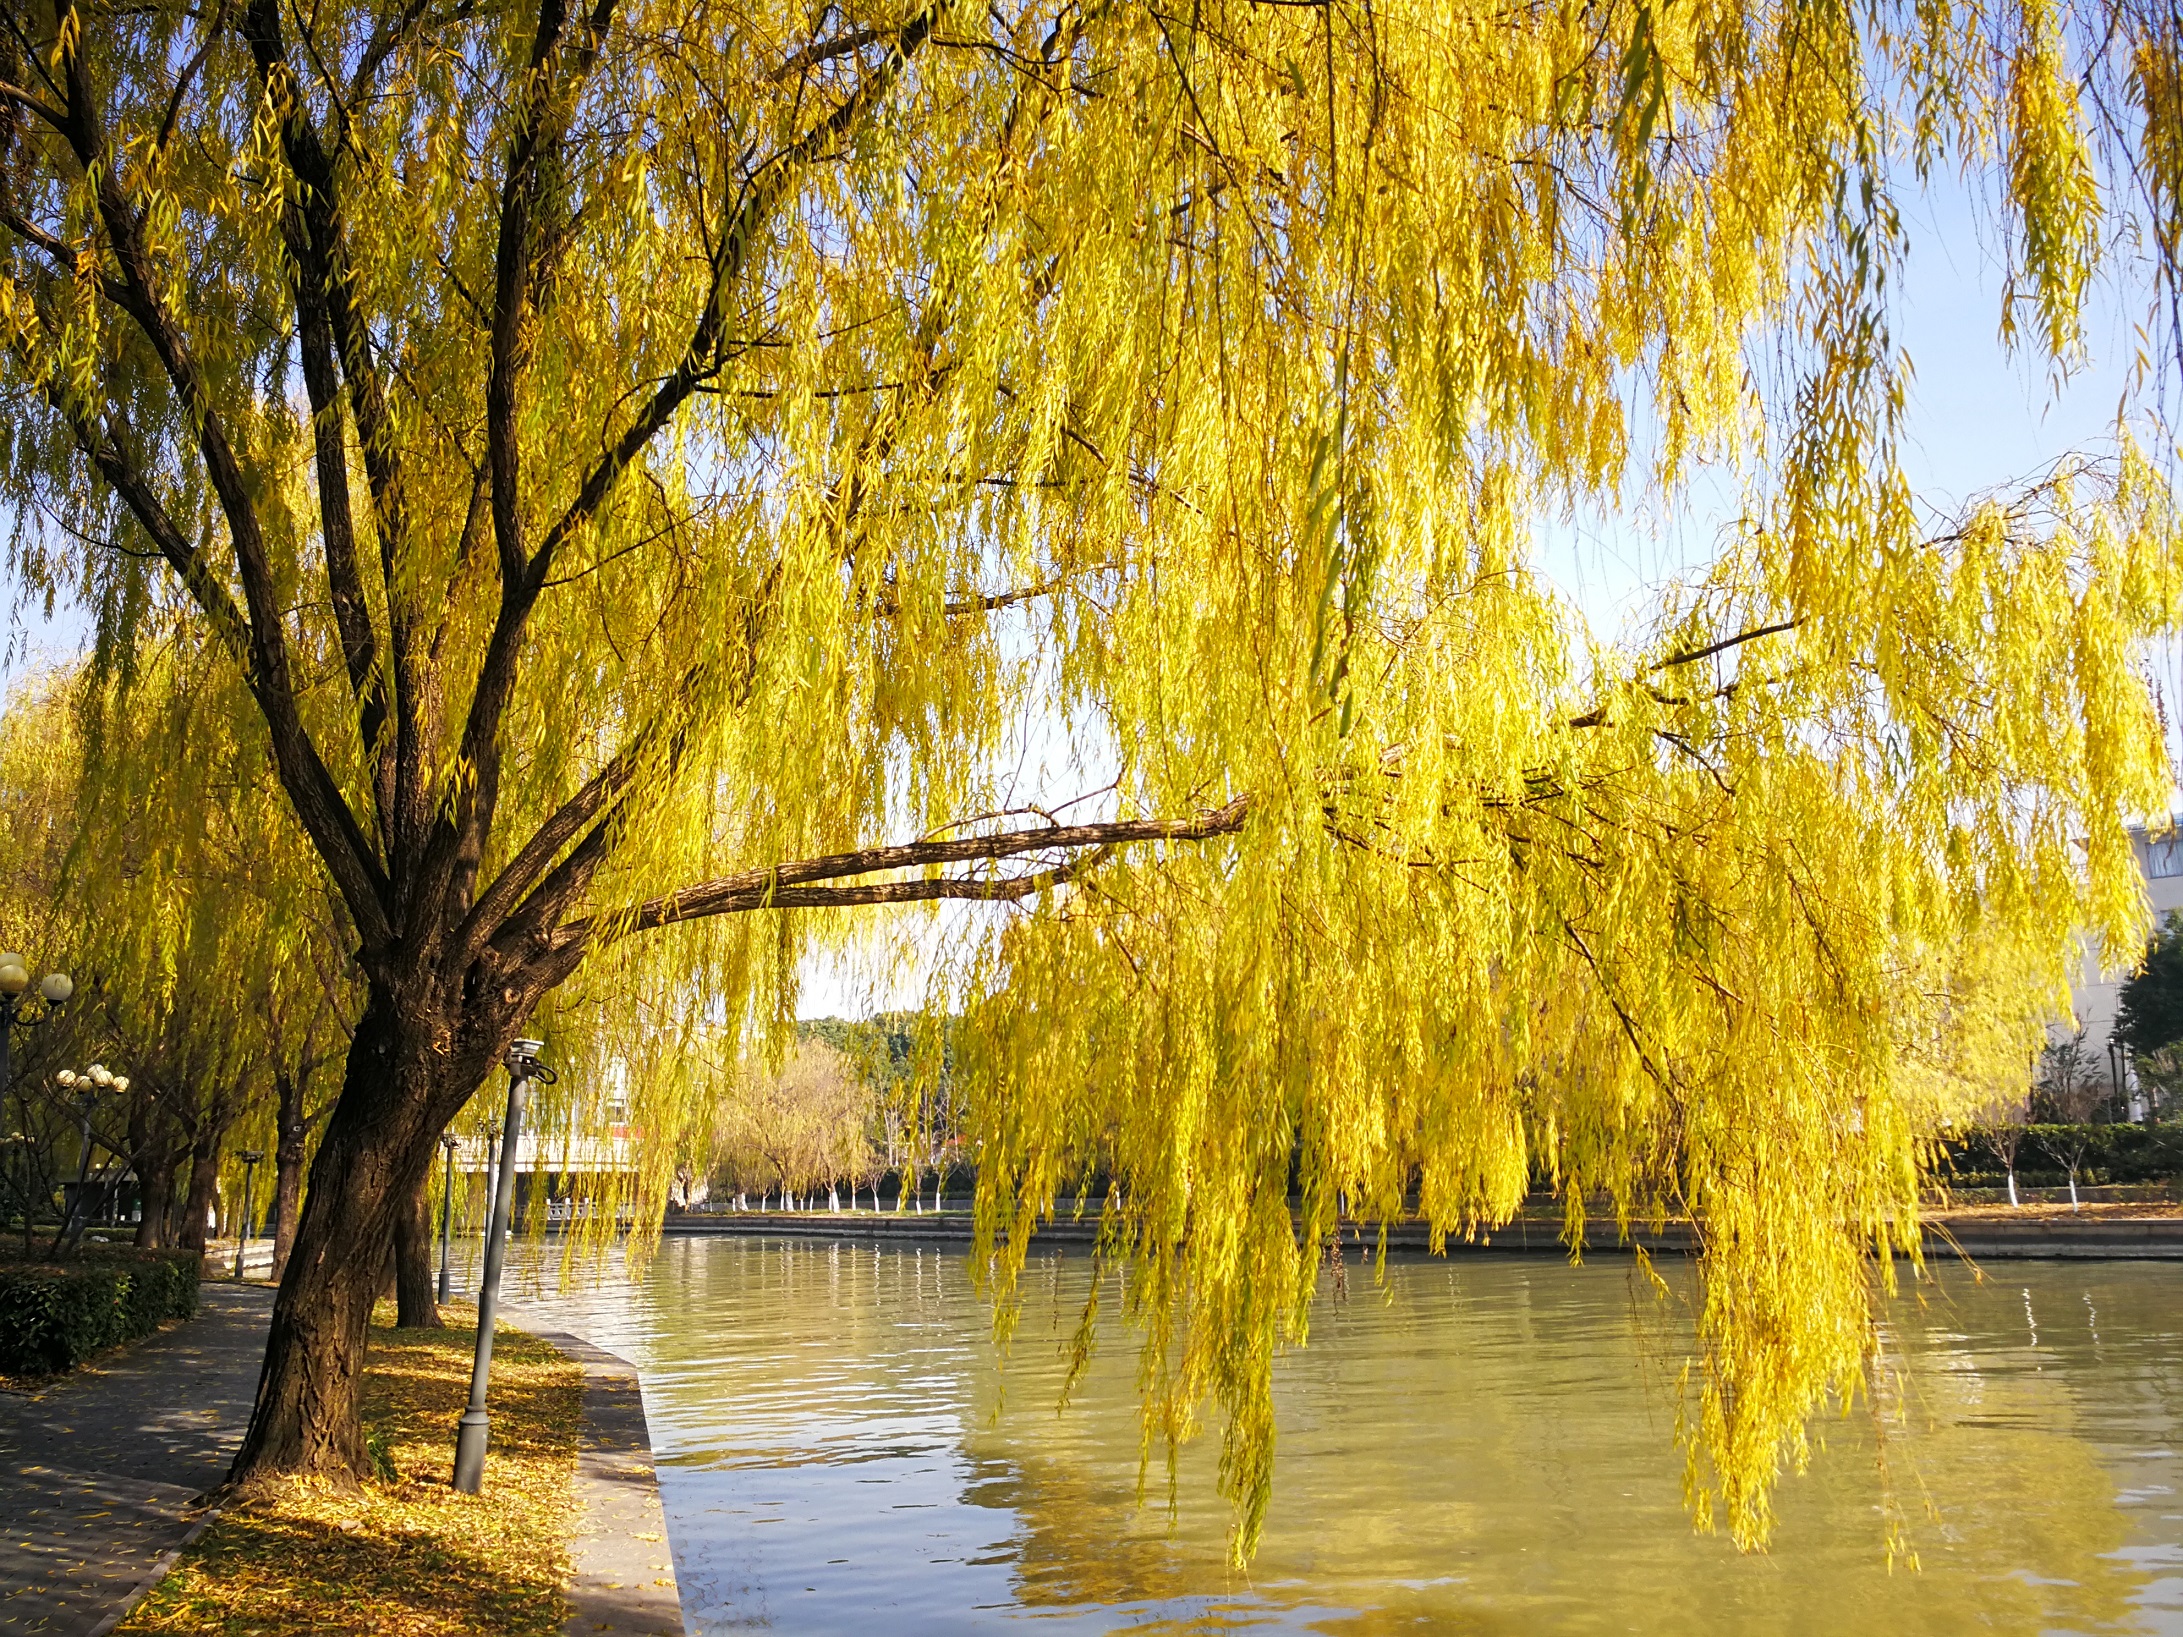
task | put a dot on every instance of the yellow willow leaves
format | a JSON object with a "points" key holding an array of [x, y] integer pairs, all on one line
{"points": [[1195, 379], [201, 939], [1735, 942], [2050, 178]]}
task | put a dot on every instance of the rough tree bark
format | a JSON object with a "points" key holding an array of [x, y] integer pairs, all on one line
{"points": [[204, 1179], [292, 1130], [413, 1061], [152, 1143], [416, 1306]]}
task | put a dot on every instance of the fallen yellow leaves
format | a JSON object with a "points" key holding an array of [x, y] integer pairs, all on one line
{"points": [[403, 1556]]}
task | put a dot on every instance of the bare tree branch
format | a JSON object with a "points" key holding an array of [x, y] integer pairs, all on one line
{"points": [[787, 886], [523, 578], [821, 51], [1688, 656]]}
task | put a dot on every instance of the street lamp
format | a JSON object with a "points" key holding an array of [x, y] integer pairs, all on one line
{"points": [[448, 1141], [250, 1158], [473, 1432], [54, 989], [87, 1086]]}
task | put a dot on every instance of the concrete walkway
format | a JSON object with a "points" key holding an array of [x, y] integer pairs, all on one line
{"points": [[98, 1471], [623, 1572]]}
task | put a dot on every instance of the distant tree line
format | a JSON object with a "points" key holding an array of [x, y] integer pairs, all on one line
{"points": [[854, 1112]]}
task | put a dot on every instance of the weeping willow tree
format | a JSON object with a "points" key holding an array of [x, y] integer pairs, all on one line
{"points": [[208, 959], [642, 460]]}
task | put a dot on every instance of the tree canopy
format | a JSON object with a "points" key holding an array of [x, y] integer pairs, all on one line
{"points": [[157, 859], [645, 462], [2149, 1011]]}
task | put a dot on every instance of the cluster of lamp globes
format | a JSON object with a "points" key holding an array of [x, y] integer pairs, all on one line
{"points": [[96, 1078], [56, 987]]}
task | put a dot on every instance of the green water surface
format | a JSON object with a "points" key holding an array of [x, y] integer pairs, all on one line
{"points": [[1484, 1445]]}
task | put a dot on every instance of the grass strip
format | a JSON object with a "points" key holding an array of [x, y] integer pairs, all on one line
{"points": [[402, 1554]]}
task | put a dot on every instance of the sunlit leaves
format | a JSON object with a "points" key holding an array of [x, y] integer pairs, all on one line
{"points": [[1196, 378]]}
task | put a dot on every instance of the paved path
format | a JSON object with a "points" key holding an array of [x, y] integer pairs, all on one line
{"points": [[97, 1472]]}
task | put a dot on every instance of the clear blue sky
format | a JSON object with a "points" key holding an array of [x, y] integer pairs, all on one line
{"points": [[1978, 418]]}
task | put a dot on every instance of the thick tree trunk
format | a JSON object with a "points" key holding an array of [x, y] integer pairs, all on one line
{"points": [[155, 1199], [291, 1134], [151, 1137], [398, 1090], [204, 1178], [415, 1306]]}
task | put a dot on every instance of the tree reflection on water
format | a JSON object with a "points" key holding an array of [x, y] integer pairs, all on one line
{"points": [[1485, 1445]]}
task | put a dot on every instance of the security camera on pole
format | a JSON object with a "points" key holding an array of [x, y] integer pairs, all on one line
{"points": [[471, 1434]]}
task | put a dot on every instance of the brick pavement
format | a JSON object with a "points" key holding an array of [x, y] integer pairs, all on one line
{"points": [[98, 1471]]}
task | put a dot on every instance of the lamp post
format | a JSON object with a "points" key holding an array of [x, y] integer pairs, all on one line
{"points": [[472, 1433], [448, 1141], [54, 989], [87, 1086], [250, 1158]]}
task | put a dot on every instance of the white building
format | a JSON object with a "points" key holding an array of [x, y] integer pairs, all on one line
{"points": [[553, 1151], [2160, 859]]}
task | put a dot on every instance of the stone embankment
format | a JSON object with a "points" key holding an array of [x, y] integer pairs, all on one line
{"points": [[1980, 1235]]}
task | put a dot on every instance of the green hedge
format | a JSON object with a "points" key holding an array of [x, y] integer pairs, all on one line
{"points": [[2111, 1153], [54, 1316]]}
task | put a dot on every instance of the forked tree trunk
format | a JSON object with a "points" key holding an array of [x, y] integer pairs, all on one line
{"points": [[415, 1305], [374, 1153], [154, 1196], [151, 1135]]}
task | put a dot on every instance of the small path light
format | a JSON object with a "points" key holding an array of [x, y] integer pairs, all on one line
{"points": [[472, 1433], [448, 1141], [250, 1158]]}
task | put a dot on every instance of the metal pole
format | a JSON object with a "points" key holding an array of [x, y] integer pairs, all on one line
{"points": [[492, 1175], [83, 1171], [473, 1431], [242, 1231], [447, 1200]]}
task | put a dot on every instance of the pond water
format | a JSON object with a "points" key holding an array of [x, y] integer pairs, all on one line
{"points": [[1484, 1445]]}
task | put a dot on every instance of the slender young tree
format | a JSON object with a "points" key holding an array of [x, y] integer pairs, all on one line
{"points": [[641, 458]]}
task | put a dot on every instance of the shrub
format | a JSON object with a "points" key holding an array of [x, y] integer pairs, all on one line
{"points": [[2106, 1153], [54, 1316]]}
